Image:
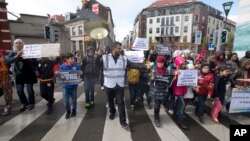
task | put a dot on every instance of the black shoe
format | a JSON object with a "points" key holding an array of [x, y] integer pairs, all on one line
{"points": [[201, 119], [157, 122], [92, 104], [111, 116], [73, 114], [124, 125], [23, 108], [149, 106], [30, 107], [183, 126], [67, 115], [49, 110]]}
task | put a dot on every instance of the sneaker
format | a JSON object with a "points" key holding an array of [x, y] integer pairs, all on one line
{"points": [[87, 105], [171, 112], [23, 108], [149, 106], [73, 114], [49, 110], [157, 122], [30, 107], [6, 112], [111, 116], [102, 88], [124, 125], [132, 107], [183, 126], [215, 120], [201, 119], [67, 115], [92, 104]]}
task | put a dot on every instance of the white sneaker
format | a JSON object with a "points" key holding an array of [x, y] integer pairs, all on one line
{"points": [[102, 88]]}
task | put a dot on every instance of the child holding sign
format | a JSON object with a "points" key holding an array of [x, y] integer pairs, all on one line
{"points": [[70, 90]]}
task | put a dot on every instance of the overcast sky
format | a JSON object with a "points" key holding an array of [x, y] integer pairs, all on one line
{"points": [[123, 11]]}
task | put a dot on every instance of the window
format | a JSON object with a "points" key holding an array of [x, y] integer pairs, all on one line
{"points": [[196, 18], [80, 45], [162, 21], [214, 21], [176, 29], [73, 45], [171, 30], [166, 30], [167, 21], [150, 21], [185, 39], [208, 31], [162, 31], [185, 29], [177, 19], [73, 31], [80, 30], [186, 18], [157, 30], [209, 20], [150, 31], [172, 21], [158, 20]]}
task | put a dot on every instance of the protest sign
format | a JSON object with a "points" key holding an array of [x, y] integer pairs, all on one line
{"points": [[41, 50], [140, 44], [69, 77], [187, 78], [163, 50], [240, 101], [135, 56], [167, 79]]}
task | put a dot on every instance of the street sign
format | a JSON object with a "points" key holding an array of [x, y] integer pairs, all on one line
{"points": [[198, 37], [211, 46]]}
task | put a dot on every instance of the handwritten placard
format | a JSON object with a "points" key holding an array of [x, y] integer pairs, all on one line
{"points": [[163, 50], [135, 56], [140, 44], [167, 79], [187, 78], [240, 101], [41, 50]]}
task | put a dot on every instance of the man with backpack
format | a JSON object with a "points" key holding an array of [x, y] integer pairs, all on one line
{"points": [[89, 74]]}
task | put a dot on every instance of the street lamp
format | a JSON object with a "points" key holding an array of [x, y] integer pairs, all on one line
{"points": [[227, 6]]}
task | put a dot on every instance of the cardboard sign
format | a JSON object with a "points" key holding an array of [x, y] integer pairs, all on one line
{"points": [[162, 50], [240, 101], [140, 44], [187, 78], [135, 56], [198, 37], [69, 77], [41, 50]]}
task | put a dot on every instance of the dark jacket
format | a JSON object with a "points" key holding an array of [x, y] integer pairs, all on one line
{"points": [[66, 67], [89, 66], [217, 62], [220, 87], [45, 69], [247, 56], [24, 69]]}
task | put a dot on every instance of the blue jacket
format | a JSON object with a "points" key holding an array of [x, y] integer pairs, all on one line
{"points": [[66, 67]]}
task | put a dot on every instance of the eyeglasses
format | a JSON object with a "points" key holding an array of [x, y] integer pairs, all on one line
{"points": [[18, 43]]}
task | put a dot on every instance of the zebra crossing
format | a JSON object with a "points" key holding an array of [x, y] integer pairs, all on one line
{"points": [[95, 125]]}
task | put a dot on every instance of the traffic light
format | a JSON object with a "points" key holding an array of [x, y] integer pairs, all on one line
{"points": [[193, 39], [54, 35], [47, 32], [224, 36]]}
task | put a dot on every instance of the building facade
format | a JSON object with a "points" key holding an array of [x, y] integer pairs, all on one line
{"points": [[176, 22], [5, 40]]}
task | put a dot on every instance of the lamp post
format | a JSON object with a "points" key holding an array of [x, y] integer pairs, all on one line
{"points": [[227, 6]]}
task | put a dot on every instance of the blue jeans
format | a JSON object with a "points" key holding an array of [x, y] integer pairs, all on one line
{"points": [[133, 90], [22, 96], [67, 93], [200, 108], [89, 86], [179, 107]]}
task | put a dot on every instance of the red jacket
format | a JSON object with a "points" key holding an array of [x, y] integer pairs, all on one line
{"points": [[206, 83]]}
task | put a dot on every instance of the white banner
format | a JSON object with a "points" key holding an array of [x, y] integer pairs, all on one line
{"points": [[240, 101], [41, 50], [135, 56], [187, 78], [140, 44]]}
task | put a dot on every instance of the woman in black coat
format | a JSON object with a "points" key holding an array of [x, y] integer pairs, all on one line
{"points": [[24, 70]]}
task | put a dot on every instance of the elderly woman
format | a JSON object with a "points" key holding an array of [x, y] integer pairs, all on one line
{"points": [[24, 70]]}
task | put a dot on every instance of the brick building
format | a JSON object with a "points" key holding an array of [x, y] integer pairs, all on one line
{"points": [[5, 41]]}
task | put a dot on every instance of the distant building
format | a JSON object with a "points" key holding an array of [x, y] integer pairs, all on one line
{"points": [[79, 25], [5, 40], [175, 22]]}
